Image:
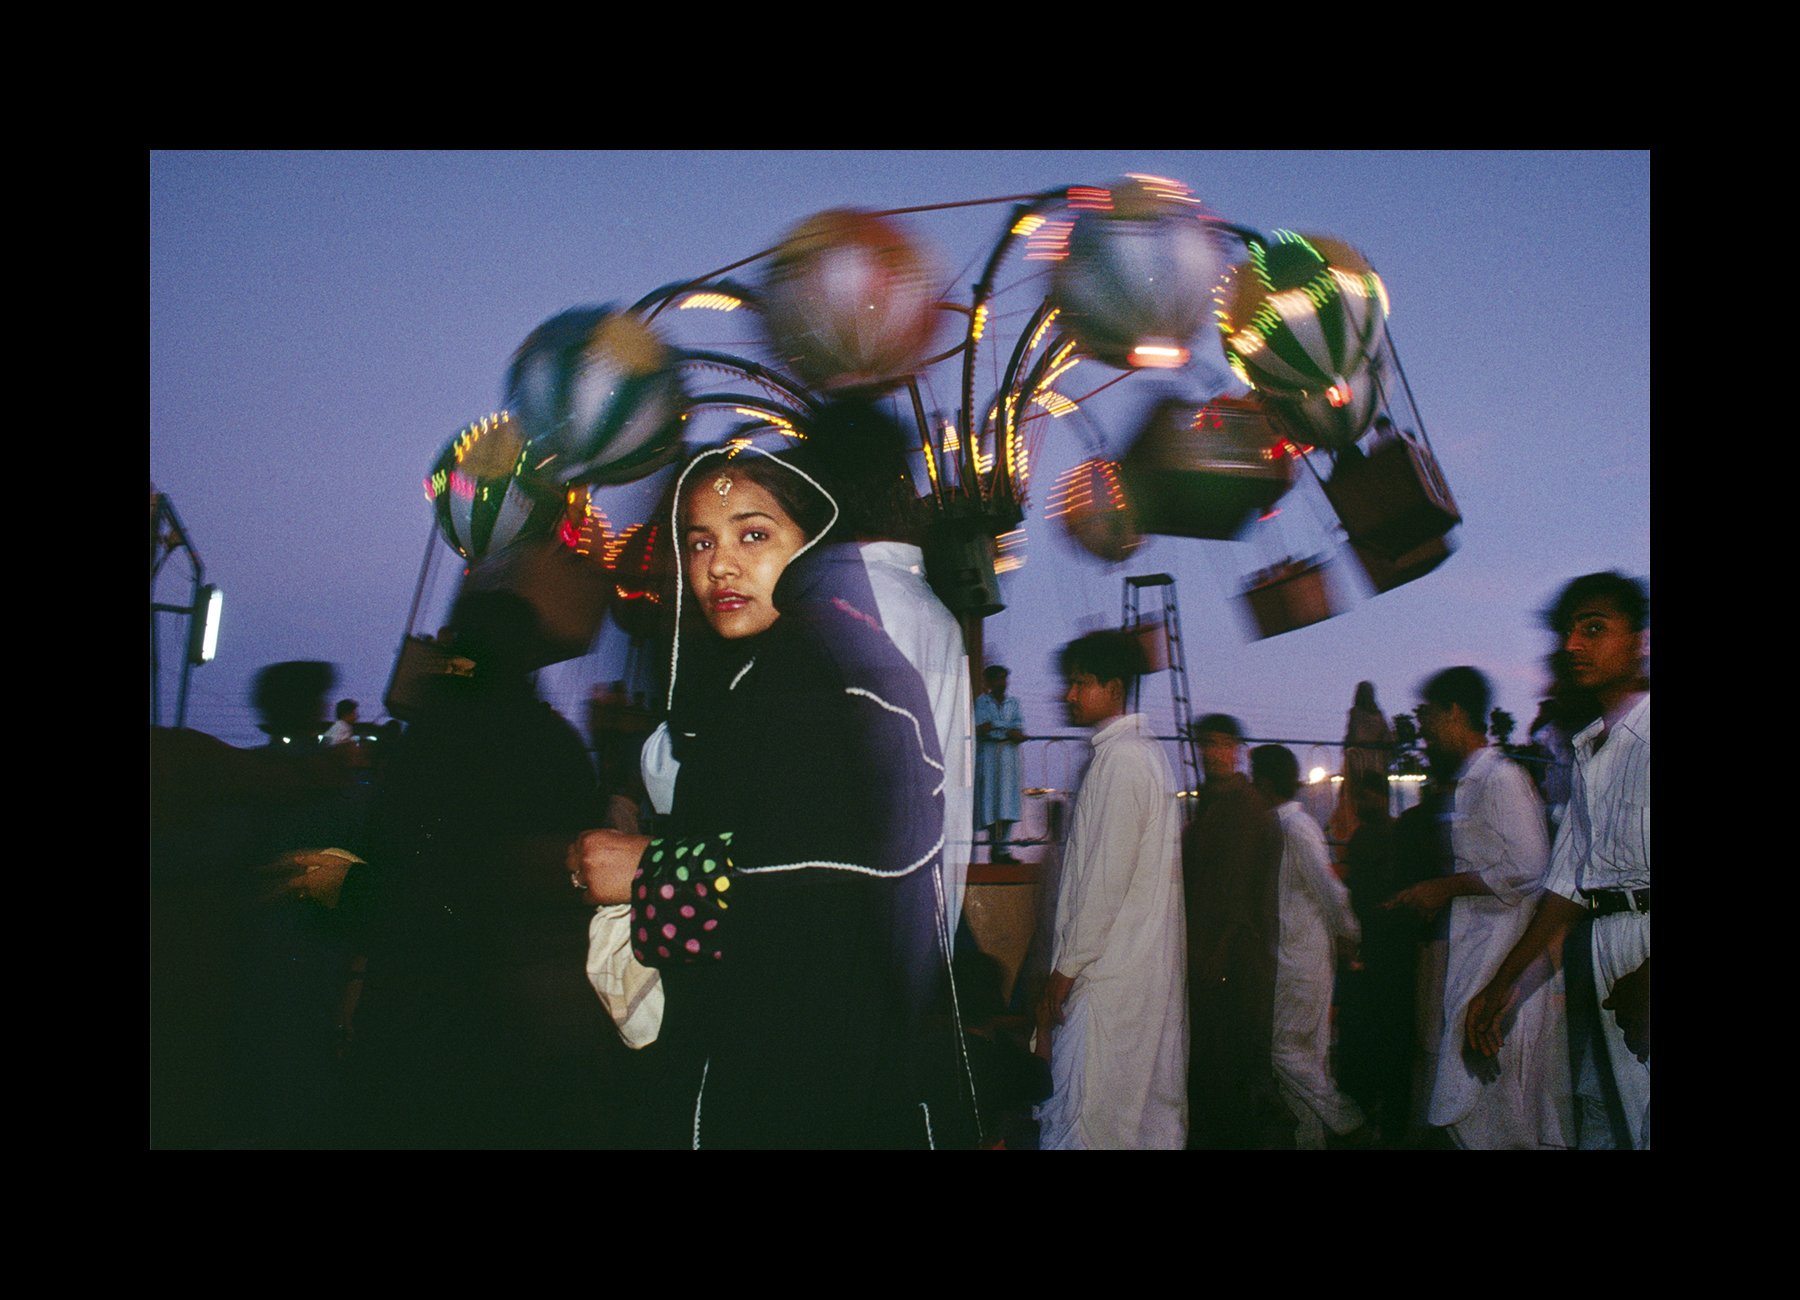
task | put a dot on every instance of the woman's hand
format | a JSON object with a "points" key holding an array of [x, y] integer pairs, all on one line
{"points": [[602, 863]]}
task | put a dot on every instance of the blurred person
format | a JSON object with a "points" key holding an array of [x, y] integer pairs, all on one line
{"points": [[343, 731], [469, 1023], [1230, 864], [1315, 921], [999, 731], [794, 906], [1113, 1011], [859, 454], [246, 952], [1368, 747], [1519, 1099], [1598, 888], [1375, 1004]]}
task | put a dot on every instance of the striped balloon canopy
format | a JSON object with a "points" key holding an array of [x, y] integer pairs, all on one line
{"points": [[850, 301], [1134, 287], [598, 397], [481, 501], [1303, 325]]}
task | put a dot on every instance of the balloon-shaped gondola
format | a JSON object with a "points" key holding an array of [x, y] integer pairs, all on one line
{"points": [[1136, 284], [481, 500], [598, 396], [1303, 325], [850, 301]]}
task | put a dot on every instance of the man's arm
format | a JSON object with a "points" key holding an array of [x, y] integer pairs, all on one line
{"points": [[1548, 925], [1429, 896]]}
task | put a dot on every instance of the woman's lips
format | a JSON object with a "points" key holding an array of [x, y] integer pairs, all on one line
{"points": [[725, 602]]}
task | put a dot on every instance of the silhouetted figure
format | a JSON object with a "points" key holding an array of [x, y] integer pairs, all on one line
{"points": [[476, 1026], [246, 945], [1375, 998], [1231, 861], [343, 731]]}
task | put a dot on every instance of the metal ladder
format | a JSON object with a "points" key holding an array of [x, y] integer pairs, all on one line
{"points": [[1131, 618]]}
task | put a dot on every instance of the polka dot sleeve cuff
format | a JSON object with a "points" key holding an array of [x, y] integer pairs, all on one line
{"points": [[680, 898]]}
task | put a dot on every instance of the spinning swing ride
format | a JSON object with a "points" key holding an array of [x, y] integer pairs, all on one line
{"points": [[847, 306]]}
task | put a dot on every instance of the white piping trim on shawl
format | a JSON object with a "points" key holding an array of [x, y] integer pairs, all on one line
{"points": [[962, 1042], [930, 853], [740, 673], [697, 1097], [675, 539], [908, 715], [930, 1142]]}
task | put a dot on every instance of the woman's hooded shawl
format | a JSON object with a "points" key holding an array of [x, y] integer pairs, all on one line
{"points": [[795, 906]]}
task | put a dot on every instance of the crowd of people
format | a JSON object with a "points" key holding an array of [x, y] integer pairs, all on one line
{"points": [[763, 950]]}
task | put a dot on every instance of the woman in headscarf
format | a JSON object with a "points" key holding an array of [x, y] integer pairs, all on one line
{"points": [[794, 905]]}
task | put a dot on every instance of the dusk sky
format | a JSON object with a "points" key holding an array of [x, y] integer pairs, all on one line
{"points": [[321, 324]]}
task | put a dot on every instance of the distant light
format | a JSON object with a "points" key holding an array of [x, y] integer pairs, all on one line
{"points": [[1315, 776]]}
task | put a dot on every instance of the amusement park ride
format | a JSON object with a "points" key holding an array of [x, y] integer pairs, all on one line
{"points": [[846, 306]]}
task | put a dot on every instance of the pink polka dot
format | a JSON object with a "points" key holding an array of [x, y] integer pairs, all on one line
{"points": [[643, 892], [700, 890], [693, 945], [661, 951], [643, 936], [712, 923], [717, 955], [650, 910], [686, 910], [668, 932], [668, 891]]}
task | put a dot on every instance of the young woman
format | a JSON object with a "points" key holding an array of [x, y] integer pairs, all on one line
{"points": [[795, 905]]}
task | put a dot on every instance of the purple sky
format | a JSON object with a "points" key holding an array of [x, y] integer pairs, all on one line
{"points": [[321, 324]]}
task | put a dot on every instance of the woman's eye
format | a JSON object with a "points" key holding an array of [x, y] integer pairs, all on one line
{"points": [[699, 544], [756, 535]]}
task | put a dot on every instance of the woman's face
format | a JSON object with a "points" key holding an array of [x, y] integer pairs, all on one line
{"points": [[736, 540]]}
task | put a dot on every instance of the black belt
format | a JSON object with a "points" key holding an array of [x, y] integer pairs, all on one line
{"points": [[1604, 902]]}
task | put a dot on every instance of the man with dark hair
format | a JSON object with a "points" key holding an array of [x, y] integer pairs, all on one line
{"points": [[1501, 848], [1116, 996], [1230, 862], [1315, 911], [1599, 880], [343, 731]]}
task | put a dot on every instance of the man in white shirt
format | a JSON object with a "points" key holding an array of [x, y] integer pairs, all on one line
{"points": [[343, 731], [1520, 1099], [1116, 1001], [1599, 881], [1315, 917]]}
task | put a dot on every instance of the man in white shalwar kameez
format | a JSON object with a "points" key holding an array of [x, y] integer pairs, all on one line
{"points": [[1314, 915], [1521, 1099], [1117, 993], [1598, 887]]}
